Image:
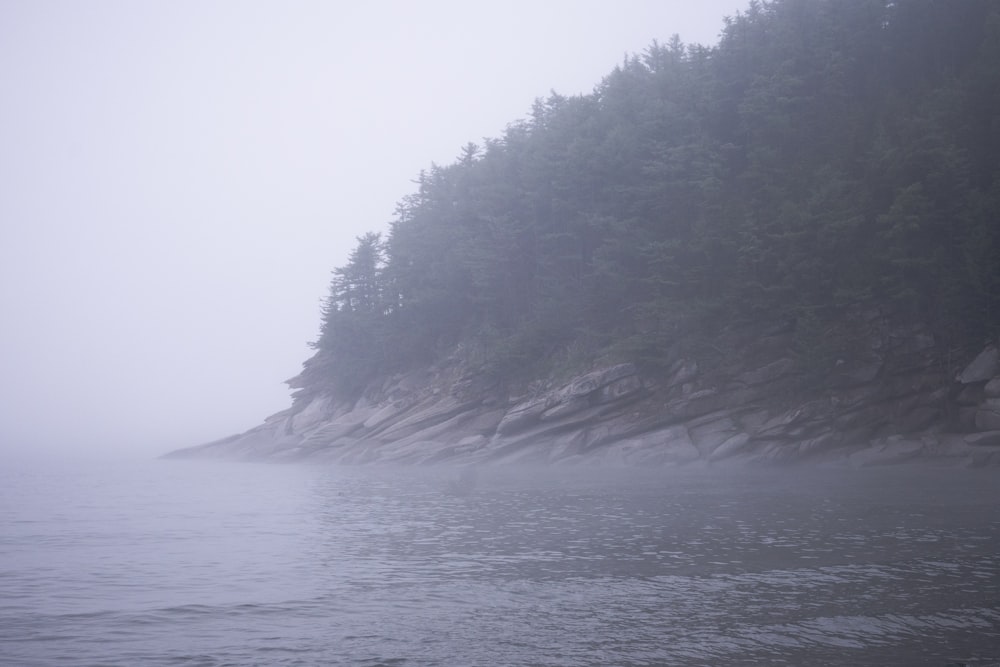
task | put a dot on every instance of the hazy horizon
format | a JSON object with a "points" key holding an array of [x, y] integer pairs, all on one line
{"points": [[181, 178]]}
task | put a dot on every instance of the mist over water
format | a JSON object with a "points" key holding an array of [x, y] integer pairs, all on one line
{"points": [[194, 563]]}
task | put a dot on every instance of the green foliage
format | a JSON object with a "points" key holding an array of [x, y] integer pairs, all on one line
{"points": [[826, 156]]}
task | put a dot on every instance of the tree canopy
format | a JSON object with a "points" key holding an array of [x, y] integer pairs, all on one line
{"points": [[826, 156]]}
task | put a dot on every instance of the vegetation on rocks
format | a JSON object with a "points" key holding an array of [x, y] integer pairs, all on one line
{"points": [[826, 160]]}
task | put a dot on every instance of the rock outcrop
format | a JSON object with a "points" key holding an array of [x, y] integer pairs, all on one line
{"points": [[896, 401]]}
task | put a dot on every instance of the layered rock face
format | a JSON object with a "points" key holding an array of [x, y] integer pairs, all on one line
{"points": [[897, 400]]}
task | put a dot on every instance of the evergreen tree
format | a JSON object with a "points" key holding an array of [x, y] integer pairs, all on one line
{"points": [[826, 157]]}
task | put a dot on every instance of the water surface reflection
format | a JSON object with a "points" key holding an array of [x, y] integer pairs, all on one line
{"points": [[700, 567]]}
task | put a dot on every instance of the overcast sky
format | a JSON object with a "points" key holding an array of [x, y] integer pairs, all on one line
{"points": [[179, 177]]}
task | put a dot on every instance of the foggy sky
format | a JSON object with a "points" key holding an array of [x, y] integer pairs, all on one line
{"points": [[179, 178]]}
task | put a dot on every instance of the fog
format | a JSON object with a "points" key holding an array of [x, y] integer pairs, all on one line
{"points": [[181, 177]]}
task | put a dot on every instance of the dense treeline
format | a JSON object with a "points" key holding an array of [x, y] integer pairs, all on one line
{"points": [[826, 157]]}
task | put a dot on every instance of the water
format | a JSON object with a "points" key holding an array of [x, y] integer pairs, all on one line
{"points": [[193, 563]]}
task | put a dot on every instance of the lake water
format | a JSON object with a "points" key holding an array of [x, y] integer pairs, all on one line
{"points": [[195, 563]]}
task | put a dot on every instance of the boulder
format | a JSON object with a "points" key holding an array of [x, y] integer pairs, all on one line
{"points": [[752, 420], [985, 439], [601, 386], [970, 394], [317, 411], [566, 407], [732, 445], [682, 372], [388, 413], [776, 426], [521, 416], [984, 367], [709, 433], [988, 415], [918, 418]]}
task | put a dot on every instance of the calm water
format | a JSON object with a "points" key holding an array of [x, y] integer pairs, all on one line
{"points": [[190, 563]]}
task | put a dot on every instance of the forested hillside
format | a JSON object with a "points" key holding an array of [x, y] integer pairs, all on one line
{"points": [[827, 157]]}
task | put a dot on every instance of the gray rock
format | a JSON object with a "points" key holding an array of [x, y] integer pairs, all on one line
{"points": [[671, 446], [331, 432], [423, 416], [620, 389], [778, 452], [778, 424], [279, 416], [317, 411], [591, 382], [819, 444], [472, 442], [566, 407], [711, 434], [868, 417], [388, 413], [853, 397], [983, 368], [965, 419], [988, 415], [985, 439], [683, 371], [598, 386], [917, 341], [918, 418], [768, 373], [887, 453], [795, 423], [745, 406], [733, 445], [483, 422], [522, 416], [970, 394], [861, 374], [753, 420], [708, 401]]}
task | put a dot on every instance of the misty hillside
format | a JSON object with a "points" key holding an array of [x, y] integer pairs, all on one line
{"points": [[826, 158]]}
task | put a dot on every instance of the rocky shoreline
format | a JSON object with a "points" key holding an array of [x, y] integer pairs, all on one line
{"points": [[897, 402]]}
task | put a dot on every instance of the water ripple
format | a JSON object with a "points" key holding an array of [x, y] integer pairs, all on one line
{"points": [[199, 565]]}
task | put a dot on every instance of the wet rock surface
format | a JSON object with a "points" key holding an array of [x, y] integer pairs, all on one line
{"points": [[895, 403]]}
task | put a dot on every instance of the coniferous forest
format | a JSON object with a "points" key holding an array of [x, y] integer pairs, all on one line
{"points": [[826, 157]]}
